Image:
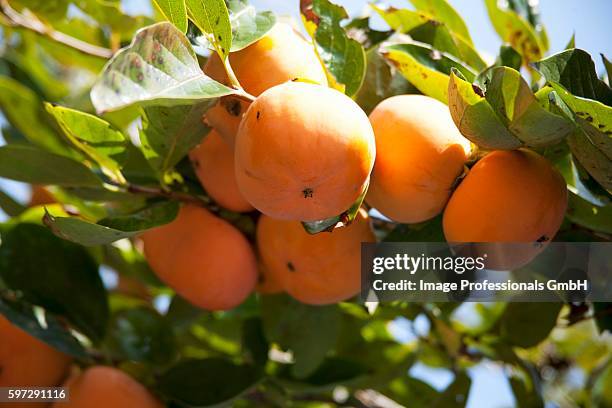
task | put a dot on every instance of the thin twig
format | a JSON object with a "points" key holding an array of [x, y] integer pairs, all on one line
{"points": [[158, 192], [19, 20]]}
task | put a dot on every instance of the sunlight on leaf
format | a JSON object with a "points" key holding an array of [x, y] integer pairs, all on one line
{"points": [[158, 68]]}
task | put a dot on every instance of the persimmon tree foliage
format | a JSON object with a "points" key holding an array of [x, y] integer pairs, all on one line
{"points": [[110, 116]]}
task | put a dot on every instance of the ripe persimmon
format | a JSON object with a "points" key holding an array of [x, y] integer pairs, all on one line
{"points": [[315, 269], [105, 387], [203, 258], [303, 152], [26, 361], [419, 155], [267, 283], [213, 162], [280, 56], [509, 196], [40, 196]]}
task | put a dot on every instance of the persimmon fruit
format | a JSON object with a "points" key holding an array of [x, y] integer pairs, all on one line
{"points": [[105, 387], [419, 155], [314, 269], [303, 152], [26, 361], [509, 196], [213, 162], [267, 284], [225, 117], [40, 196], [281, 55], [203, 258]]}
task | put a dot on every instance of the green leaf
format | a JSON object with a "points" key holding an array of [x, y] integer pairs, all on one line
{"points": [[527, 324], [248, 24], [608, 66], [603, 316], [93, 136], [114, 228], [476, 119], [212, 18], [308, 331], [380, 83], [101, 194], [574, 69], [32, 165], [401, 20], [169, 133], [343, 57], [424, 28], [429, 231], [512, 99], [525, 392], [601, 392], [11, 135], [254, 341], [181, 313], [594, 160], [571, 43], [49, 329], [158, 68], [141, 334], [509, 57], [8, 204], [315, 227], [426, 68], [530, 12], [507, 116], [585, 99], [332, 372], [22, 65], [206, 383], [137, 169], [62, 277], [589, 215], [23, 109], [51, 11], [411, 391], [587, 186], [515, 30], [175, 11], [442, 11]]}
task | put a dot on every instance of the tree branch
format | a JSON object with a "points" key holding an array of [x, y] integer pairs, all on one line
{"points": [[16, 19], [158, 192]]}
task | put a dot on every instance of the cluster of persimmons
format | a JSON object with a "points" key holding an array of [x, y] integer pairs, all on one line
{"points": [[305, 152], [302, 151]]}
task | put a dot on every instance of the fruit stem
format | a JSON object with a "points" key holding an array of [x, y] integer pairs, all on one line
{"points": [[240, 93], [245, 96], [231, 75]]}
